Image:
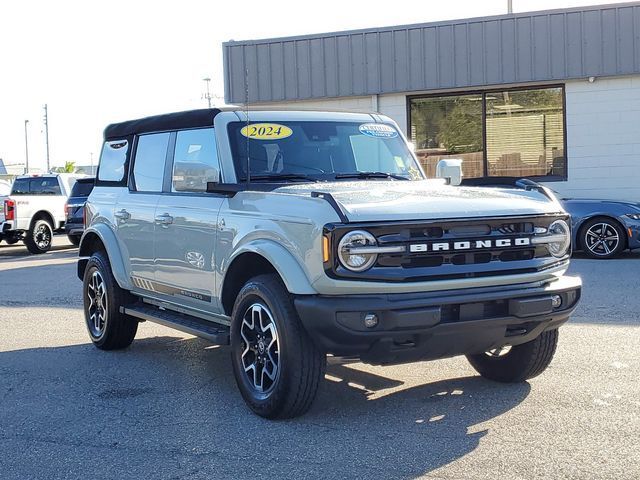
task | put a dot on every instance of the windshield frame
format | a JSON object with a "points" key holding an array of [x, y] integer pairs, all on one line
{"points": [[411, 166]]}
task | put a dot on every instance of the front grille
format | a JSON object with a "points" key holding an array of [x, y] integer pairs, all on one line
{"points": [[483, 247]]}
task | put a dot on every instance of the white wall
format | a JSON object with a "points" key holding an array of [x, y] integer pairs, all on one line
{"points": [[603, 139]]}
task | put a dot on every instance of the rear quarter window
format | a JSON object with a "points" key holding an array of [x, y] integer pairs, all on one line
{"points": [[113, 160]]}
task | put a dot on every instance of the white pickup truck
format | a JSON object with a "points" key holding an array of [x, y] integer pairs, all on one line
{"points": [[35, 209]]}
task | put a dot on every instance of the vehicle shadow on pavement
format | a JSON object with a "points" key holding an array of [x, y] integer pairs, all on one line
{"points": [[19, 252], [170, 405]]}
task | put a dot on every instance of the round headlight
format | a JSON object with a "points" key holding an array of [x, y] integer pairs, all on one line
{"points": [[559, 229], [354, 260]]}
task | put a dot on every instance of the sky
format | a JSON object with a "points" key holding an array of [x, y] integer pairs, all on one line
{"points": [[95, 62]]}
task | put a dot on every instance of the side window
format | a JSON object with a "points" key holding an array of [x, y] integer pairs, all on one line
{"points": [[20, 186], [148, 166], [112, 161], [195, 161], [45, 186]]}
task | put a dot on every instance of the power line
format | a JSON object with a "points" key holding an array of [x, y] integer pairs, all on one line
{"points": [[46, 132]]}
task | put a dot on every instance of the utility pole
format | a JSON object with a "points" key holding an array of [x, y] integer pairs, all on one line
{"points": [[46, 132], [208, 94], [509, 6], [26, 148]]}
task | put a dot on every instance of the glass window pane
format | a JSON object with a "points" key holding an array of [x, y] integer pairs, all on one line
{"points": [[82, 188], [112, 160], [148, 166], [20, 186], [525, 133], [195, 161], [448, 127], [323, 150], [44, 186]]}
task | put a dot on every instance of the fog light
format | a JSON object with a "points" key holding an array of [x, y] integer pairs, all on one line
{"points": [[556, 301], [370, 320]]}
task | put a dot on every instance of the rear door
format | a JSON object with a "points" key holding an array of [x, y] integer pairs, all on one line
{"points": [[135, 208], [186, 222]]}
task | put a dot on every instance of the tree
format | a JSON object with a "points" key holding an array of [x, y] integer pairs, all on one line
{"points": [[69, 167]]}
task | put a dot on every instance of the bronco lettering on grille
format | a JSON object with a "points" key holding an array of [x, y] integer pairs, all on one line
{"points": [[470, 244]]}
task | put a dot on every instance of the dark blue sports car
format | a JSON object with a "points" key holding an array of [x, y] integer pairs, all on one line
{"points": [[603, 228]]}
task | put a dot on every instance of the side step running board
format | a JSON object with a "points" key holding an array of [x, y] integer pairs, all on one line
{"points": [[217, 334]]}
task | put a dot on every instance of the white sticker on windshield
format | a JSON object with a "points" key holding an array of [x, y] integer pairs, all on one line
{"points": [[378, 130]]}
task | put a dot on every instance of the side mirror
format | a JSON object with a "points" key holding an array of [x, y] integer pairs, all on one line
{"points": [[451, 170]]}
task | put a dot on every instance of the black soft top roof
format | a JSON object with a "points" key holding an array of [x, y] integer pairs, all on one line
{"points": [[169, 121]]}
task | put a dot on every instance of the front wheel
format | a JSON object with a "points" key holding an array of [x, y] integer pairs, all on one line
{"points": [[108, 328], [512, 364], [276, 365], [602, 238], [39, 237]]}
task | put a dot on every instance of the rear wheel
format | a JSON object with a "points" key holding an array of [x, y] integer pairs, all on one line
{"points": [[39, 237], [108, 328], [512, 364], [601, 238], [276, 365]]}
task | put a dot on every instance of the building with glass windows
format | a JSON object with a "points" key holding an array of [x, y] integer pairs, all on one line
{"points": [[550, 95]]}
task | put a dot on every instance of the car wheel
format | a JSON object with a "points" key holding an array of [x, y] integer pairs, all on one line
{"points": [[601, 238], [277, 366], [108, 328], [74, 239], [39, 237], [512, 364]]}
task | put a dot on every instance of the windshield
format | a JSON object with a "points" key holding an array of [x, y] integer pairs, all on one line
{"points": [[302, 150]]}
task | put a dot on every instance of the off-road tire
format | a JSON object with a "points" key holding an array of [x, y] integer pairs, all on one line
{"points": [[521, 363], [39, 237], [118, 330], [301, 365], [74, 239]]}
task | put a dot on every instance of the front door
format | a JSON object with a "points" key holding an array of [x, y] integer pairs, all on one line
{"points": [[186, 223], [135, 209]]}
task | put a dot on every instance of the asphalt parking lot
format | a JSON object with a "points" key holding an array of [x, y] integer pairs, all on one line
{"points": [[168, 406]]}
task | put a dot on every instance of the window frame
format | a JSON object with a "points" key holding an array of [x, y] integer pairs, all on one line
{"points": [[127, 162], [484, 92], [168, 172], [133, 188]]}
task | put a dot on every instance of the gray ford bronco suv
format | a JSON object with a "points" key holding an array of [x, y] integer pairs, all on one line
{"points": [[293, 235]]}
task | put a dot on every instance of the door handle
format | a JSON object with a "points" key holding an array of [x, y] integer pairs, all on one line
{"points": [[165, 219], [122, 215]]}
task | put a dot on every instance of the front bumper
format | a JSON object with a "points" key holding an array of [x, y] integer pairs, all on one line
{"points": [[632, 228], [432, 325]]}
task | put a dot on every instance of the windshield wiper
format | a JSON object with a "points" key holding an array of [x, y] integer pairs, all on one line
{"points": [[282, 176], [370, 175]]}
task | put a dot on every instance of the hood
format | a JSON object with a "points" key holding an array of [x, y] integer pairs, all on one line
{"points": [[601, 201], [385, 200]]}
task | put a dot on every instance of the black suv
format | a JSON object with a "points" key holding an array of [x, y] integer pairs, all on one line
{"points": [[74, 209]]}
